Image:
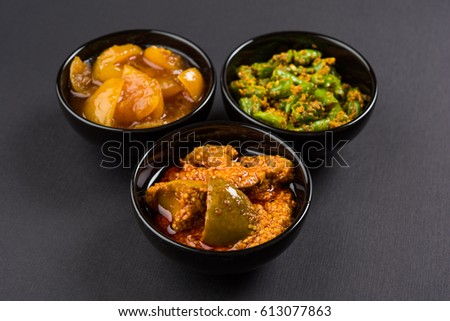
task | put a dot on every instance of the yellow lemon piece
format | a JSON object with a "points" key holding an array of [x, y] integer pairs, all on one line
{"points": [[141, 96], [101, 105], [169, 86], [193, 81], [108, 63], [163, 57], [80, 77]]}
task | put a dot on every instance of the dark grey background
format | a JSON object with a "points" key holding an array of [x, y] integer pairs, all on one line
{"points": [[378, 230]]}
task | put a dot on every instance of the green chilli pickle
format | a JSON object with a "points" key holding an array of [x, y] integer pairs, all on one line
{"points": [[297, 90]]}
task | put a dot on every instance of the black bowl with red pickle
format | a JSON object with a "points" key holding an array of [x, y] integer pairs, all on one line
{"points": [[173, 151], [99, 132]]}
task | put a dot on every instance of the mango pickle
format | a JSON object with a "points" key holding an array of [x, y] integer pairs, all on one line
{"points": [[229, 213], [219, 200], [151, 93], [184, 200]]}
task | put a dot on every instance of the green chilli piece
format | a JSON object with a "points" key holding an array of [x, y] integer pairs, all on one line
{"points": [[250, 105], [353, 108], [305, 57], [304, 113], [317, 79], [271, 118], [288, 104], [334, 111], [250, 91], [325, 97], [296, 70], [263, 69], [245, 72], [330, 80], [319, 125], [339, 93], [323, 65], [280, 73]]}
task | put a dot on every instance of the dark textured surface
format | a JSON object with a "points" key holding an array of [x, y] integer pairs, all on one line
{"points": [[378, 230]]}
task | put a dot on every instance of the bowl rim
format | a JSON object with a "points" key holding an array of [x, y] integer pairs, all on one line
{"points": [[229, 97], [295, 225], [205, 100]]}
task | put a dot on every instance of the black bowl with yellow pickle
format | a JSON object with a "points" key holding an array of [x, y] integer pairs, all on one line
{"points": [[136, 85], [314, 91], [188, 196]]}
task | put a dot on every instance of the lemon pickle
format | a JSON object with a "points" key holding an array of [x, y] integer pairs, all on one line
{"points": [[297, 90], [131, 87]]}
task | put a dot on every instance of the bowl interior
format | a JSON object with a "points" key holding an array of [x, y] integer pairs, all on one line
{"points": [[351, 65], [144, 38], [246, 139]]}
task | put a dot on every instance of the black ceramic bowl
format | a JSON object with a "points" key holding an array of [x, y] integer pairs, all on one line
{"points": [[144, 38], [247, 140], [350, 64]]}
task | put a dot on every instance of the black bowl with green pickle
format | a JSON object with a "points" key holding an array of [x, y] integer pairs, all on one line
{"points": [[247, 140], [98, 133], [316, 143]]}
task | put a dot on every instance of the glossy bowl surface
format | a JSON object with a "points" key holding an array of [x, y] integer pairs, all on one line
{"points": [[350, 64], [144, 38], [247, 140]]}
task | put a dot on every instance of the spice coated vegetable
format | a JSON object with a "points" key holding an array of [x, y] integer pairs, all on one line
{"points": [[129, 87], [218, 200], [298, 91]]}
